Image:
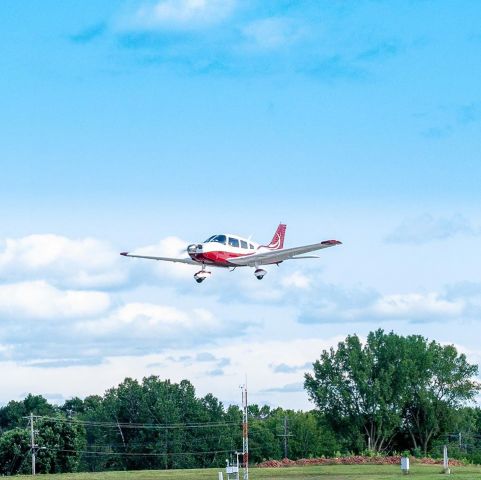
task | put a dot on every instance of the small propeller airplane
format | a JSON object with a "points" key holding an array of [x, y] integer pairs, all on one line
{"points": [[232, 251]]}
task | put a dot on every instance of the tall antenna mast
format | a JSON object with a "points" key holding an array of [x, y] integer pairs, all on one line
{"points": [[245, 432]]}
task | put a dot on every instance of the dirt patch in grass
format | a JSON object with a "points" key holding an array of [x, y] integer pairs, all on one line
{"points": [[353, 460]]}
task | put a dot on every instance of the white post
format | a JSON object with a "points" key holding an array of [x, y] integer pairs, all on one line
{"points": [[405, 465], [221, 477], [446, 460]]}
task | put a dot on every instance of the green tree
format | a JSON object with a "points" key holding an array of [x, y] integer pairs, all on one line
{"points": [[440, 383], [359, 389], [390, 385], [60, 444], [73, 407], [181, 426], [263, 442], [14, 413], [14, 452]]}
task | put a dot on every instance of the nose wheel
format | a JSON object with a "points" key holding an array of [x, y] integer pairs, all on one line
{"points": [[260, 273], [200, 276]]}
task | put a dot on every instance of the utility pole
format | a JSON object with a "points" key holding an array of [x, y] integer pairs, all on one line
{"points": [[285, 435], [32, 442]]}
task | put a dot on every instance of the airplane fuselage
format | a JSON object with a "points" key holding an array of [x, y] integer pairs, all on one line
{"points": [[218, 250]]}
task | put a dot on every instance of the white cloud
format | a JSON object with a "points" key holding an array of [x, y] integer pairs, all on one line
{"points": [[288, 388], [415, 306], [336, 304], [272, 33], [425, 228], [284, 368], [5, 351], [153, 322], [297, 280], [180, 14], [39, 300], [78, 263], [172, 247], [246, 359]]}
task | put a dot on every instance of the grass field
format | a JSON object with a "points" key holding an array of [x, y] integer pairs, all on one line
{"points": [[324, 472]]}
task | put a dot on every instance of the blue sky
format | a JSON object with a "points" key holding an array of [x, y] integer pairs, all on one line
{"points": [[137, 123]]}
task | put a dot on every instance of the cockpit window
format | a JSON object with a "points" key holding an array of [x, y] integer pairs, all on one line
{"points": [[209, 239], [233, 242], [243, 244], [218, 239], [251, 246]]}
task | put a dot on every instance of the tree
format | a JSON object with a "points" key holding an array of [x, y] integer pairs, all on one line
{"points": [[180, 425], [12, 415], [360, 389], [263, 442], [440, 382], [73, 407], [14, 450], [391, 384], [60, 444]]}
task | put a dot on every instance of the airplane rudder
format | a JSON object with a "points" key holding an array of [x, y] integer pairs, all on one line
{"points": [[277, 241]]}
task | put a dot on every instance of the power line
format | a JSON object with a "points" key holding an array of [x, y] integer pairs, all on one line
{"points": [[151, 426], [137, 454]]}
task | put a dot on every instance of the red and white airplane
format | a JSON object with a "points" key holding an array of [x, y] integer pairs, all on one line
{"points": [[232, 251]]}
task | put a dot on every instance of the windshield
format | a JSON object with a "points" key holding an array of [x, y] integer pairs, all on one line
{"points": [[217, 238]]}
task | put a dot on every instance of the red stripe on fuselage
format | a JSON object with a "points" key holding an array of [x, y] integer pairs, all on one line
{"points": [[217, 257]]}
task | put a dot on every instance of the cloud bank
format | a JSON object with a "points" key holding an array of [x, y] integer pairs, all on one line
{"points": [[426, 228], [178, 15]]}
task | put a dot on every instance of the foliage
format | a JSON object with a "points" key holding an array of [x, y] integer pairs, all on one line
{"points": [[14, 448], [391, 389], [14, 413]]}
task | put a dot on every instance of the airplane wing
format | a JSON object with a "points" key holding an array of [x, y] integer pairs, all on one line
{"points": [[189, 261], [276, 256]]}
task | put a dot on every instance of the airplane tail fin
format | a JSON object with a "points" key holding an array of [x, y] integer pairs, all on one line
{"points": [[277, 241]]}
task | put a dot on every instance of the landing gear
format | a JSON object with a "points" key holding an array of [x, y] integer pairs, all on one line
{"points": [[260, 273], [201, 275]]}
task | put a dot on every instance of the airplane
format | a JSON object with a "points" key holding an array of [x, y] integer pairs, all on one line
{"points": [[232, 251]]}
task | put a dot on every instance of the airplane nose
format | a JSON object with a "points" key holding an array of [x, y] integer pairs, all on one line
{"points": [[194, 249]]}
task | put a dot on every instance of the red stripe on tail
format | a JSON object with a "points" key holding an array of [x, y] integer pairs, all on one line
{"points": [[277, 241]]}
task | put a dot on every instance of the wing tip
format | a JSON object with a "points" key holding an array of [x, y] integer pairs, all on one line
{"points": [[331, 242], [124, 254]]}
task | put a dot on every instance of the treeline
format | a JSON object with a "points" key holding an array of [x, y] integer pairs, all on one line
{"points": [[153, 424], [392, 394]]}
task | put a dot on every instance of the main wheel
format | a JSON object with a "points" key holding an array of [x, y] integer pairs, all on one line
{"points": [[260, 273]]}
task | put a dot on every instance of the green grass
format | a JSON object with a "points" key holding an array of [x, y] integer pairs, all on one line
{"points": [[323, 472]]}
